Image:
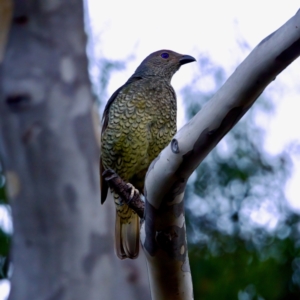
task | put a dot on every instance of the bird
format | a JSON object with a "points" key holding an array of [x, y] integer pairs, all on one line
{"points": [[139, 121]]}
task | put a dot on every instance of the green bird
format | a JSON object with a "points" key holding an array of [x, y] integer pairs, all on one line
{"points": [[139, 121]]}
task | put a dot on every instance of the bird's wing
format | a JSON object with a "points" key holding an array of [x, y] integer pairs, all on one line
{"points": [[105, 119], [103, 183]]}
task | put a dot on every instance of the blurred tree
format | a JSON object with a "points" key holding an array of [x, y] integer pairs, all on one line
{"points": [[244, 240], [63, 239]]}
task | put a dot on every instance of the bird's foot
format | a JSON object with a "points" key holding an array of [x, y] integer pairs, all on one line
{"points": [[121, 193], [133, 190]]}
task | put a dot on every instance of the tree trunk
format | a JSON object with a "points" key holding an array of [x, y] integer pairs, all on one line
{"points": [[63, 238], [163, 233]]}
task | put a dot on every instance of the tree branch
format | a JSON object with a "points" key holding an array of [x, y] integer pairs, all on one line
{"points": [[164, 236]]}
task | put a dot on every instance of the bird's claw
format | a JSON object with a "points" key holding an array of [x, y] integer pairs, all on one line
{"points": [[133, 190]]}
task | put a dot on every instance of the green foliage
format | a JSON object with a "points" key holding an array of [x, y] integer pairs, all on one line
{"points": [[5, 237], [3, 198], [4, 252], [244, 240], [246, 274]]}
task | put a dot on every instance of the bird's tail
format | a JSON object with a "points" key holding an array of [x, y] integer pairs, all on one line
{"points": [[127, 235]]}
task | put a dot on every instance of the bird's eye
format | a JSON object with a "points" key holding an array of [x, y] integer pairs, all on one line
{"points": [[164, 55]]}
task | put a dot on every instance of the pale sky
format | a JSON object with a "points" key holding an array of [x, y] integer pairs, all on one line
{"points": [[132, 28], [137, 28]]}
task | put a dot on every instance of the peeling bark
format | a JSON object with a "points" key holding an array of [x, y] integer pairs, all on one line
{"points": [[163, 233]]}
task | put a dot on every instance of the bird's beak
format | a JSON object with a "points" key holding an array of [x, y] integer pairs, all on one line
{"points": [[185, 59]]}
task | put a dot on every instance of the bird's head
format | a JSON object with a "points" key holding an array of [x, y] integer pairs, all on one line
{"points": [[162, 63]]}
